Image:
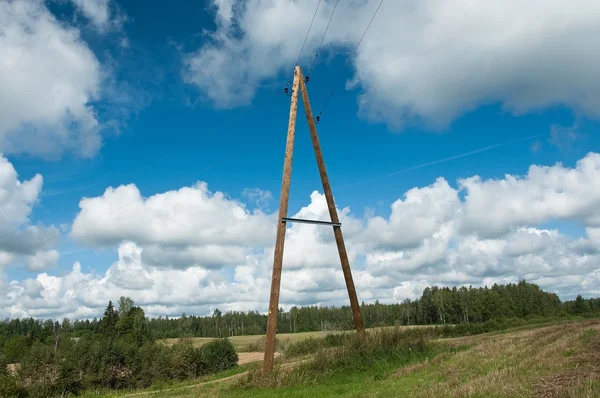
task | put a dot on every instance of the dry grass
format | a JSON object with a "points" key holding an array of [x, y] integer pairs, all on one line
{"points": [[243, 343], [582, 380], [248, 357], [556, 361]]}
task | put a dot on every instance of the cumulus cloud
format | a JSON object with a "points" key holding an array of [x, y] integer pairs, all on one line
{"points": [[49, 77], [193, 250], [158, 290], [493, 207], [425, 61], [179, 228], [19, 239], [416, 217]]}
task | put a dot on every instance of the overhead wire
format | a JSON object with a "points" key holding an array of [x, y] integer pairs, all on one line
{"points": [[142, 167], [289, 82], [308, 32], [322, 39], [349, 60]]}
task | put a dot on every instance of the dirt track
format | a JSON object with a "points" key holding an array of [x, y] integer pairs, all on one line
{"points": [[247, 357], [243, 357]]}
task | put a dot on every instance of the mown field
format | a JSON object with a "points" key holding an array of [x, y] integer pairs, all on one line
{"points": [[246, 343], [251, 343], [556, 360]]}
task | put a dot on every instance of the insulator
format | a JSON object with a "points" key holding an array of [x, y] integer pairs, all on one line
{"points": [[318, 119], [306, 79], [286, 90]]}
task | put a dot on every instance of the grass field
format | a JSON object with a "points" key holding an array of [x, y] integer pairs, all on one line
{"points": [[246, 343], [243, 343], [561, 360]]}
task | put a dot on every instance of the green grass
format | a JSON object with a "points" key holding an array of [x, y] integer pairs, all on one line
{"points": [[175, 386], [534, 361]]}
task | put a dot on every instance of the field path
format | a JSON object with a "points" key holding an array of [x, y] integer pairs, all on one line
{"points": [[224, 379], [247, 357], [243, 358]]}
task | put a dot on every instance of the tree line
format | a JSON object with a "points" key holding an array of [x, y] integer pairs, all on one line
{"points": [[437, 305]]}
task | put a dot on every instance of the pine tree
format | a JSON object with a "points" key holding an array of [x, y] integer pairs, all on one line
{"points": [[109, 320]]}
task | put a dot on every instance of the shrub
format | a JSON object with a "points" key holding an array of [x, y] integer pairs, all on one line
{"points": [[183, 361], [9, 387], [216, 356], [3, 365], [16, 348]]}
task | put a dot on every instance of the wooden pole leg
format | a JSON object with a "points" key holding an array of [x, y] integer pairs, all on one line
{"points": [[280, 240], [337, 230]]}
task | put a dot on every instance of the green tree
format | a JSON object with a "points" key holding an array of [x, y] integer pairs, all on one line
{"points": [[109, 320], [580, 306], [125, 304]]}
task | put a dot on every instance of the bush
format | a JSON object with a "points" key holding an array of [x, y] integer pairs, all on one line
{"points": [[183, 361], [16, 348], [3, 365], [9, 387], [216, 356]]}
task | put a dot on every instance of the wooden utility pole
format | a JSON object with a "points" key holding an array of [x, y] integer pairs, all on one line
{"points": [[299, 84], [337, 229], [281, 226]]}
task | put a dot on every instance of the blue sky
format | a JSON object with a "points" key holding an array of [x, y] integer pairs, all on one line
{"points": [[165, 125]]}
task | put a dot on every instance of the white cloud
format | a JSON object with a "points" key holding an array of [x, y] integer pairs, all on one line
{"points": [[192, 250], [261, 198], [416, 217], [420, 61], [42, 260], [97, 11], [19, 239], [546, 193], [179, 228], [49, 77], [158, 290]]}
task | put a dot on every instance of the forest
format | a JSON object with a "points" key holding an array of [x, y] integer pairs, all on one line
{"points": [[437, 305]]}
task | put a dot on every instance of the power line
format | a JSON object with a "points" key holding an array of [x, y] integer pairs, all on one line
{"points": [[155, 161], [308, 33], [323, 38], [350, 59], [139, 169]]}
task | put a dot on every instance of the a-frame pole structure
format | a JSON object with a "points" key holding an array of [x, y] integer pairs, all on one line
{"points": [[280, 240], [299, 83]]}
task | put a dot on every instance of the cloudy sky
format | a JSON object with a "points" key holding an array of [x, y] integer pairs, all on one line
{"points": [[141, 149]]}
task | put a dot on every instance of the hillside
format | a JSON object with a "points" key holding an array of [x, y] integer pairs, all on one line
{"points": [[559, 360]]}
